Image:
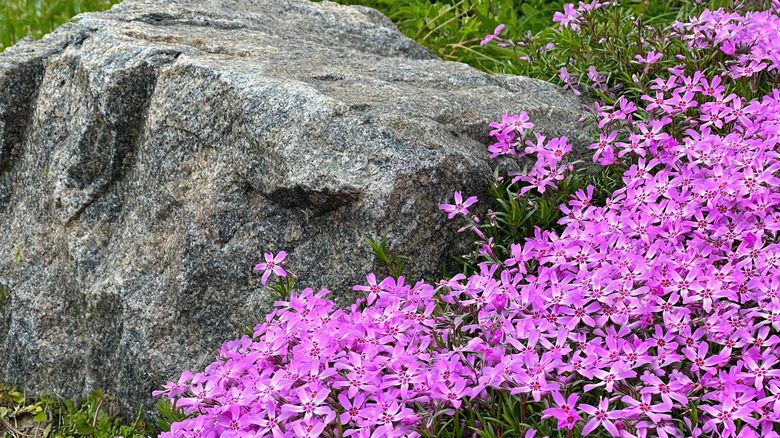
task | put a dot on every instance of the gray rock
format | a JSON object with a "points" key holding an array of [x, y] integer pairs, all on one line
{"points": [[150, 154]]}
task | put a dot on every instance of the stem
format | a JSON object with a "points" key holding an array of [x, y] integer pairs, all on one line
{"points": [[461, 43], [446, 23], [97, 411], [437, 17], [514, 49], [522, 408], [11, 428]]}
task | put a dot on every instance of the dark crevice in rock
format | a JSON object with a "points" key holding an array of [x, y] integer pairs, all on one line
{"points": [[329, 77], [319, 202], [162, 19], [18, 90], [111, 143], [360, 107]]}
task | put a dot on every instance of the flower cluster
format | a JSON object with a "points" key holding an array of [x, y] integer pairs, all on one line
{"points": [[750, 42], [571, 17], [670, 289], [656, 312], [362, 369]]}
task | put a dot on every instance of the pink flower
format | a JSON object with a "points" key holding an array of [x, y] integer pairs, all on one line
{"points": [[601, 416], [311, 403], [272, 264], [569, 17], [566, 412], [651, 59], [494, 35], [656, 412], [459, 206], [568, 80]]}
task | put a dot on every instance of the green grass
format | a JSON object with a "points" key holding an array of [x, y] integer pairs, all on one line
{"points": [[21, 18], [453, 29]]}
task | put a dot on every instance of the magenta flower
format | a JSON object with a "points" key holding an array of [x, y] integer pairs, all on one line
{"points": [[566, 412], [568, 80], [604, 146], [651, 58], [373, 288], [272, 264], [726, 414], [656, 413], [672, 390], [518, 123], [616, 373], [309, 428], [174, 389], [272, 421], [459, 207], [757, 373], [598, 80], [601, 416], [569, 17], [452, 393], [488, 38], [653, 134], [353, 409], [311, 404], [236, 424]]}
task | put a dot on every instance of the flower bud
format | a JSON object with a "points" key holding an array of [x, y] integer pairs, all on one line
{"points": [[496, 337], [412, 419], [499, 302]]}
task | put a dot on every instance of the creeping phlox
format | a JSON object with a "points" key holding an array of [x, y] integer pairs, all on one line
{"points": [[654, 314]]}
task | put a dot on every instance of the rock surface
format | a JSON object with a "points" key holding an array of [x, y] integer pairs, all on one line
{"points": [[150, 154]]}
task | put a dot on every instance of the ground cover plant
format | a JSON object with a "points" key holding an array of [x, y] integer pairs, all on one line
{"points": [[651, 308], [646, 305], [21, 18], [452, 29], [41, 417]]}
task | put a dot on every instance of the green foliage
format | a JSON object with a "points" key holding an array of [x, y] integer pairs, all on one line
{"points": [[379, 248], [453, 29], [610, 43], [169, 414], [21, 18], [281, 289], [46, 416], [515, 216]]}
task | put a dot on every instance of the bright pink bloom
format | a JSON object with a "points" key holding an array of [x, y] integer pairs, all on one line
{"points": [[459, 207], [272, 264]]}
